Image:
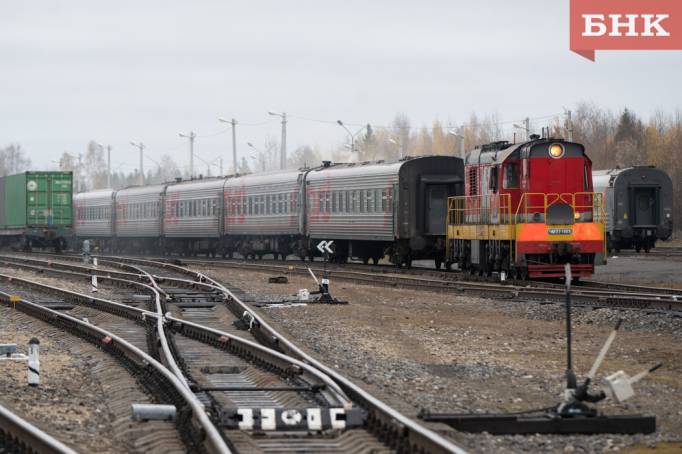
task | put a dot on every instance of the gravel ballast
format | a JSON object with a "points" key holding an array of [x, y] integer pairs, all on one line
{"points": [[450, 353]]}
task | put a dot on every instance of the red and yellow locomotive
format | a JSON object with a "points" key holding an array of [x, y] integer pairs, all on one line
{"points": [[528, 209]]}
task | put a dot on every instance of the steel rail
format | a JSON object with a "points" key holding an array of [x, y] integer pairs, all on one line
{"points": [[645, 299], [205, 334], [212, 440], [34, 440], [405, 434]]}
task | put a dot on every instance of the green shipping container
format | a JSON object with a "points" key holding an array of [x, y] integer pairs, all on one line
{"points": [[37, 199]]}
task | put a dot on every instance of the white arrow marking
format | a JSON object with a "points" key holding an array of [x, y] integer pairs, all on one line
{"points": [[323, 246]]}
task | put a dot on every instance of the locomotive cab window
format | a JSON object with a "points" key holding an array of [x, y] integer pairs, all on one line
{"points": [[511, 175], [586, 186], [494, 173]]}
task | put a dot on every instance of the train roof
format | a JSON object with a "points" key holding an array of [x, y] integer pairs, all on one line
{"points": [[637, 174], [91, 195], [367, 168], [257, 179], [498, 152], [206, 183], [139, 190]]}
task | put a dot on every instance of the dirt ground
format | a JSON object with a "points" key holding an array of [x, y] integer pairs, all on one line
{"points": [[641, 270], [448, 353]]}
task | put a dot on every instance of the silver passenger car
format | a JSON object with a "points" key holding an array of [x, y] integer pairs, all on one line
{"points": [[93, 214], [352, 201], [138, 212], [264, 204], [374, 209], [193, 209]]}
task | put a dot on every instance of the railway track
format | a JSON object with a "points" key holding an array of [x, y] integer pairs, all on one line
{"points": [[592, 293], [230, 374], [193, 424], [20, 436]]}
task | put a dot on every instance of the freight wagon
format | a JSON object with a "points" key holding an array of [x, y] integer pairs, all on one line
{"points": [[36, 210]]}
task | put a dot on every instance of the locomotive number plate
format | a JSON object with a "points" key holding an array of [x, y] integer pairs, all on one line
{"points": [[560, 231]]}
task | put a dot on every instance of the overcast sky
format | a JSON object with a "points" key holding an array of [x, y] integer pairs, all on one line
{"points": [[126, 70]]}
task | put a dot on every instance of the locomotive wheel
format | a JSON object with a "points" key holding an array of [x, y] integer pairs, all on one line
{"points": [[365, 260], [375, 260], [638, 248], [275, 255], [438, 263]]}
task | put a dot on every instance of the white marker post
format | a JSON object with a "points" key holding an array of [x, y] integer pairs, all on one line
{"points": [[94, 283], [33, 362]]}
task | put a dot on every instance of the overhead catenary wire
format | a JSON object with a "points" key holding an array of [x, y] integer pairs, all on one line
{"points": [[400, 127]]}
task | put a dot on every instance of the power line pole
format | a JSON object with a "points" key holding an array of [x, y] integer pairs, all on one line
{"points": [[283, 152], [140, 146], [109, 166], [80, 171], [191, 136], [283, 156], [234, 147], [526, 123], [221, 166], [570, 125]]}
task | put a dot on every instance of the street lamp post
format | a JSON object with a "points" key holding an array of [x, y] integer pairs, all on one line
{"points": [[461, 142], [399, 144], [283, 152], [140, 146], [191, 136], [261, 156], [232, 122], [350, 134], [525, 127]]}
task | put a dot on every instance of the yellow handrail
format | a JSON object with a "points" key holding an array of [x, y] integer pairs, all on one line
{"points": [[497, 209], [480, 209]]}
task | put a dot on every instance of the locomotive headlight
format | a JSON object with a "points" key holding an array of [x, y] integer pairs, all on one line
{"points": [[556, 150]]}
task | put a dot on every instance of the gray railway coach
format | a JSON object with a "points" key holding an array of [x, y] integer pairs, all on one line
{"points": [[639, 205], [263, 214], [192, 216], [376, 209], [369, 209], [94, 215], [138, 224]]}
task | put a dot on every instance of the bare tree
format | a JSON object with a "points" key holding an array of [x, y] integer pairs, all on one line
{"points": [[13, 160]]}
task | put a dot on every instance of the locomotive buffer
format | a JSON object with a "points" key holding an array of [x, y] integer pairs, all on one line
{"points": [[571, 416]]}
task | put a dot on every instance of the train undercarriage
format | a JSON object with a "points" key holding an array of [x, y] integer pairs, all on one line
{"points": [[485, 257], [399, 253]]}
